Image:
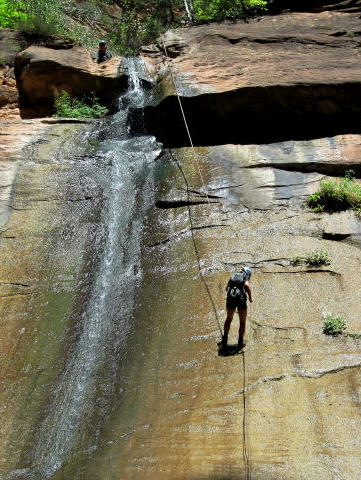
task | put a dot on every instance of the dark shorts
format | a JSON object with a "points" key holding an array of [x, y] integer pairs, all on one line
{"points": [[232, 304]]}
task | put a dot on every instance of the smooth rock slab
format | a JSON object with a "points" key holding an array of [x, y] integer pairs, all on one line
{"points": [[295, 76], [182, 413], [42, 73]]}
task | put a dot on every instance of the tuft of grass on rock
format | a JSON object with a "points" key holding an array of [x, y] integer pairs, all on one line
{"points": [[334, 325], [316, 258], [70, 107], [337, 195], [298, 260]]}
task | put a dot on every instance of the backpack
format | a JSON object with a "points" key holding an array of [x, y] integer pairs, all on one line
{"points": [[236, 286]]}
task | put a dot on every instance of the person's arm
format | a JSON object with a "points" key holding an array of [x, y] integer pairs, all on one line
{"points": [[228, 286], [248, 290]]}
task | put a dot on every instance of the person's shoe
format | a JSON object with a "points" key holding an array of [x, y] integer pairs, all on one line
{"points": [[241, 343], [223, 342]]}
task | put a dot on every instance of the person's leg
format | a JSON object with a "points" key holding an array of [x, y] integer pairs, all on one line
{"points": [[227, 326], [242, 324]]}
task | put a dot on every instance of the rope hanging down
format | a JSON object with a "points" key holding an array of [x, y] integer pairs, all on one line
{"points": [[188, 193], [185, 120], [246, 439], [245, 430]]}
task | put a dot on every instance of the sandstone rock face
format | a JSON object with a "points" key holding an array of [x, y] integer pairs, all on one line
{"points": [[181, 412], [15, 136], [291, 76], [45, 245], [179, 408], [9, 98], [277, 6], [10, 43], [43, 72], [188, 411]]}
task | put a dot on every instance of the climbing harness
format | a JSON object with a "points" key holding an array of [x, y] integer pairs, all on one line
{"points": [[245, 432]]}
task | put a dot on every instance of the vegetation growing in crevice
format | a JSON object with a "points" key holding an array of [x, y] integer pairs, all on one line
{"points": [[316, 258], [334, 325], [337, 195], [70, 107], [127, 24]]}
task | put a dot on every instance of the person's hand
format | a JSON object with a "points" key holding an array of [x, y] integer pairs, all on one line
{"points": [[251, 300]]}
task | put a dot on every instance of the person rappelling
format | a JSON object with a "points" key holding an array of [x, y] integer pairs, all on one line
{"points": [[238, 288]]}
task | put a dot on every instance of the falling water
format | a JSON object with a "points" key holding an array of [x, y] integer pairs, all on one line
{"points": [[107, 319]]}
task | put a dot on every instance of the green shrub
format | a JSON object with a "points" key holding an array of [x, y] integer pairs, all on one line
{"points": [[216, 10], [11, 13], [143, 21], [134, 30], [318, 258], [43, 18], [70, 107], [337, 195], [313, 259], [334, 325], [139, 23]]}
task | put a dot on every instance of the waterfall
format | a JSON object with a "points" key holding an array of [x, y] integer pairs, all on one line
{"points": [[106, 321]]}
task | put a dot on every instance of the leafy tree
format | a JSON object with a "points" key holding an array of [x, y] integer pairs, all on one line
{"points": [[44, 18], [142, 21], [215, 10], [11, 12]]}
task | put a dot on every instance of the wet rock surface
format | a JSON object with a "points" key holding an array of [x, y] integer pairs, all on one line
{"points": [[178, 401], [302, 387], [48, 239], [14, 137]]}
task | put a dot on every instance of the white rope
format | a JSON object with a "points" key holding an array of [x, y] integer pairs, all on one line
{"points": [[185, 121], [246, 451], [249, 472]]}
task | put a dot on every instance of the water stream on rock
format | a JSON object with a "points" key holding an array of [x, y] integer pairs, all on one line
{"points": [[107, 318]]}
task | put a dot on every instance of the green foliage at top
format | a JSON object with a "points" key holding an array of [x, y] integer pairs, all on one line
{"points": [[337, 195], [313, 259], [143, 21], [70, 107], [139, 25], [44, 18], [127, 24], [11, 13], [33, 17], [334, 325], [216, 10]]}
